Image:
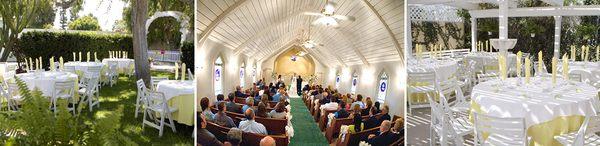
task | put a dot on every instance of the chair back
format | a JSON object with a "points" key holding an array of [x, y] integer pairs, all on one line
{"points": [[512, 128], [155, 80], [94, 70], [91, 84], [70, 69], [157, 99], [486, 77], [141, 88], [64, 87], [190, 75]]}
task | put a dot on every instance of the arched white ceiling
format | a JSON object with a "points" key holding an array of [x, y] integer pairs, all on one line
{"points": [[260, 28]]}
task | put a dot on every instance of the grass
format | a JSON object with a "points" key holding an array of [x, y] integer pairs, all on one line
{"points": [[123, 95]]}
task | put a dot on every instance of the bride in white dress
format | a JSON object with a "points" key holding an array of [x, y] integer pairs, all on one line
{"points": [[292, 90]]}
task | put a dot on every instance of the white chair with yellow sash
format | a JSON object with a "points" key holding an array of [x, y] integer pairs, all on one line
{"points": [[499, 130], [419, 83]]}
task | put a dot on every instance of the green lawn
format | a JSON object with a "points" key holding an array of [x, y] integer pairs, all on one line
{"points": [[123, 95]]}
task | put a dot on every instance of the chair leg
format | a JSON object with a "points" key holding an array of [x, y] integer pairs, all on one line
{"points": [[162, 125], [171, 123], [143, 120], [137, 107]]}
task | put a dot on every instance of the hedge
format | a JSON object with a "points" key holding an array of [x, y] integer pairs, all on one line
{"points": [[47, 43]]}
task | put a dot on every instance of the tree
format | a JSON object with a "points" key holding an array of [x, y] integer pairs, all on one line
{"points": [[140, 42], [63, 5], [45, 17], [16, 15], [87, 22]]}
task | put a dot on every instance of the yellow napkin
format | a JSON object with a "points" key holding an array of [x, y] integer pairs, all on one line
{"points": [[183, 72], [573, 51], [519, 55], [587, 53], [502, 66], [62, 63], [31, 65], [597, 53], [88, 57], [37, 64], [41, 67], [96, 56], [565, 67], [176, 70], [80, 57], [109, 54], [527, 70], [74, 57], [554, 62], [52, 68], [583, 52], [540, 61]]}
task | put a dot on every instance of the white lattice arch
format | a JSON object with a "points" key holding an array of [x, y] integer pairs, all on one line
{"points": [[179, 16], [433, 13]]}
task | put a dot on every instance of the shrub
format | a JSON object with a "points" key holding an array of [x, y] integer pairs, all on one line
{"points": [[187, 55], [88, 22]]}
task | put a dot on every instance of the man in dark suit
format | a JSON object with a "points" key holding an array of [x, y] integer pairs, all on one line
{"points": [[384, 136], [231, 106], [204, 137], [299, 85]]}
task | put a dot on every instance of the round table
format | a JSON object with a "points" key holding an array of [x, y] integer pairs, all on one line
{"points": [[443, 69], [488, 60], [44, 81], [180, 95], [548, 110], [589, 71], [123, 64], [83, 66]]}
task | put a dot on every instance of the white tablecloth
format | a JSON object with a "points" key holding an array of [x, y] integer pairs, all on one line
{"points": [[488, 59], [589, 71], [83, 66], [122, 63], [537, 102], [172, 88], [44, 81], [444, 69]]}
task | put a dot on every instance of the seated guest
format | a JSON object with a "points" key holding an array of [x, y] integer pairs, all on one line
{"points": [[368, 105], [384, 113], [359, 102], [221, 118], [220, 98], [326, 98], [265, 99], [278, 95], [398, 129], [262, 110], [278, 112], [239, 93], [267, 141], [356, 120], [203, 136], [234, 137], [377, 106], [384, 136], [231, 106], [372, 121], [204, 104], [249, 125], [249, 104], [341, 113]]}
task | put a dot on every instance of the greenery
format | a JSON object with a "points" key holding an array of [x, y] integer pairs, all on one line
{"points": [[15, 16], [187, 55], [46, 44], [87, 22], [36, 124]]}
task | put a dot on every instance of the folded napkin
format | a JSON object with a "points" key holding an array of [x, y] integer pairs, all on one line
{"points": [[96, 56], [565, 67], [527, 70], [573, 51], [183, 72], [88, 57], [52, 68], [554, 62], [62, 63], [74, 57], [176, 71], [519, 55], [80, 58], [540, 61]]}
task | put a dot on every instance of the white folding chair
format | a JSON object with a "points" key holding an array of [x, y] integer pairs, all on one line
{"points": [[141, 95], [14, 97], [502, 131], [190, 75], [486, 77], [70, 69], [63, 90], [450, 87], [586, 135], [112, 73], [444, 124], [426, 82], [89, 92], [155, 81], [156, 110]]}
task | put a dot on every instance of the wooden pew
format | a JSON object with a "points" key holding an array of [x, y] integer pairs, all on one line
{"points": [[336, 124], [317, 112], [355, 138], [323, 119], [247, 138], [273, 126]]}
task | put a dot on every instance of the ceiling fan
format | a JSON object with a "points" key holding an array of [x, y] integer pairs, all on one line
{"points": [[308, 43], [328, 17]]}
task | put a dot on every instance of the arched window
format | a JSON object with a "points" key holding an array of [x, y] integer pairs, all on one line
{"points": [[254, 74], [354, 83], [242, 73], [218, 76], [383, 86], [337, 81]]}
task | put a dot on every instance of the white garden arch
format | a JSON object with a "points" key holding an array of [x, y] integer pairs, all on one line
{"points": [[179, 16]]}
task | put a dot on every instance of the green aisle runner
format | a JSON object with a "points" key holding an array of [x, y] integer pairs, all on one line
{"points": [[306, 131]]}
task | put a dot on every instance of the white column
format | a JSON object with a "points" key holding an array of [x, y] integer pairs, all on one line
{"points": [[473, 34], [503, 19], [408, 34], [557, 29]]}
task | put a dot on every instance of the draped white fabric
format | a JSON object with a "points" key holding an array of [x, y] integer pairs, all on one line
{"points": [[444, 69], [44, 81], [488, 59], [537, 102], [83, 66], [122, 63], [172, 88], [587, 70]]}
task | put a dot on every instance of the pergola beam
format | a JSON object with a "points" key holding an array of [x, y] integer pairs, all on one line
{"points": [[587, 10]]}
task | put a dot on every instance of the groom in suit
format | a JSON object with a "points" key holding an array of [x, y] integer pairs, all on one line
{"points": [[299, 85]]}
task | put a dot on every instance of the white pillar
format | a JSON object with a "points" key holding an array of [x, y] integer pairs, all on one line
{"points": [[557, 29], [408, 34], [503, 19], [473, 34]]}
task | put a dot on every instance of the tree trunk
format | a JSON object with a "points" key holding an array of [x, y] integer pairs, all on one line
{"points": [[140, 43]]}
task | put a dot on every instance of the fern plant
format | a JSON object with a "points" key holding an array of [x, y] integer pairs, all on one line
{"points": [[36, 124]]}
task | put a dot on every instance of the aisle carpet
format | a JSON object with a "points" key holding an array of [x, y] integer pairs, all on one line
{"points": [[306, 131]]}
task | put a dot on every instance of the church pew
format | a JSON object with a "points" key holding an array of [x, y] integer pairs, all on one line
{"points": [[323, 119], [273, 126], [355, 138], [336, 124], [317, 112], [247, 138]]}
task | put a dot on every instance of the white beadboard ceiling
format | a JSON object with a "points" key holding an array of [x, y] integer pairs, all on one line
{"points": [[260, 28]]}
